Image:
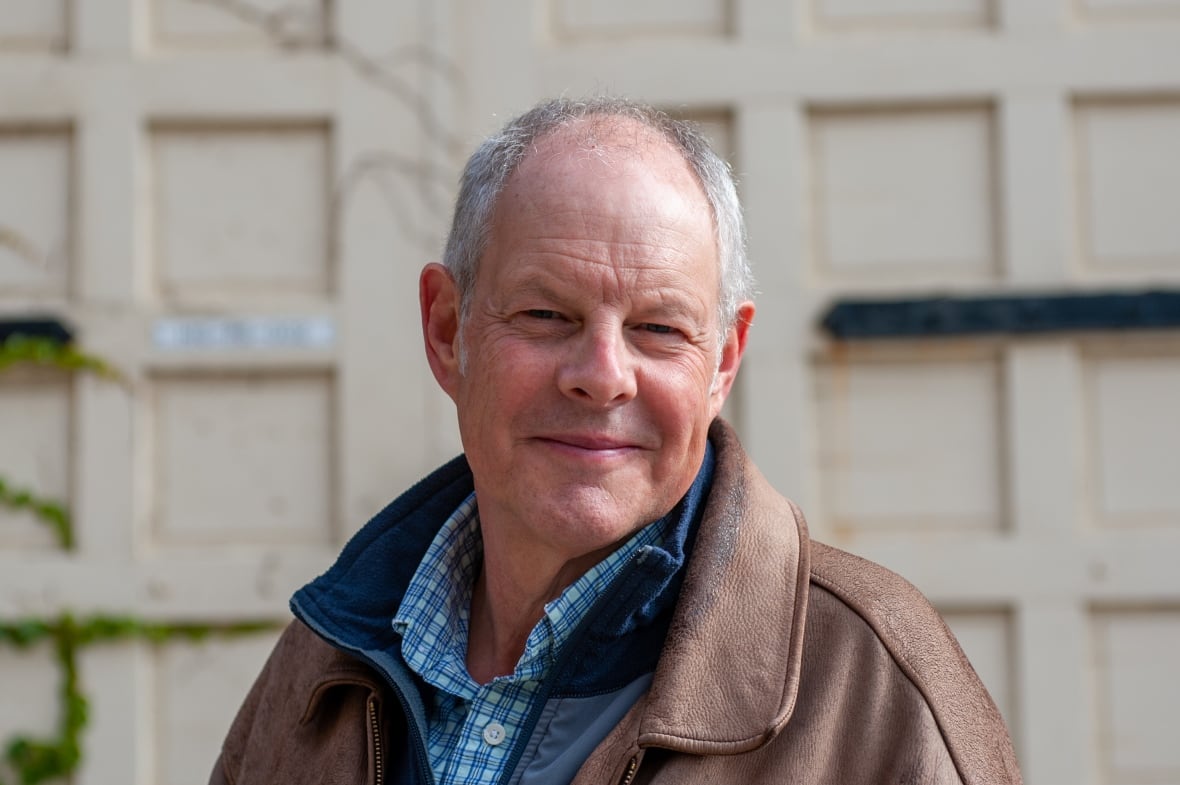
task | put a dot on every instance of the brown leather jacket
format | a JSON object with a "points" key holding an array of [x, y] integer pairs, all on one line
{"points": [[787, 662]]}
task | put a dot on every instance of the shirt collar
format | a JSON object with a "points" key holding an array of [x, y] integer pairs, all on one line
{"points": [[434, 613]]}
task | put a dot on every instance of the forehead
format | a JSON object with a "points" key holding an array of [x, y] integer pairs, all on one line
{"points": [[614, 216], [617, 181], [611, 147]]}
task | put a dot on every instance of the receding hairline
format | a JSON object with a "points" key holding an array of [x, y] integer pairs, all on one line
{"points": [[608, 139], [608, 129]]}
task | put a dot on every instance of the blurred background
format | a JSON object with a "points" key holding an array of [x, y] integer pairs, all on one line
{"points": [[226, 204]]}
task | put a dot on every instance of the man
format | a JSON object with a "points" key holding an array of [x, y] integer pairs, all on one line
{"points": [[604, 589]]}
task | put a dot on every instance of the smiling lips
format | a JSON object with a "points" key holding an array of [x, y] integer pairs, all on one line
{"points": [[589, 443]]}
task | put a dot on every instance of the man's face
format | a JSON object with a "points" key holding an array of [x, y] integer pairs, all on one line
{"points": [[593, 363]]}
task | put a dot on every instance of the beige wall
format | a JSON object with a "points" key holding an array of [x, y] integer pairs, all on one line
{"points": [[230, 199]]}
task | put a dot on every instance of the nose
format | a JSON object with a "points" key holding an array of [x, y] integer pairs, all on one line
{"points": [[597, 367]]}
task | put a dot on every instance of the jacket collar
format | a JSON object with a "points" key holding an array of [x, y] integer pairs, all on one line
{"points": [[353, 603], [729, 674]]}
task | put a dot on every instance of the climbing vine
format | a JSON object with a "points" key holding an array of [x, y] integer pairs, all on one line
{"points": [[37, 350], [51, 513], [35, 760], [42, 351], [32, 760], [38, 760]]}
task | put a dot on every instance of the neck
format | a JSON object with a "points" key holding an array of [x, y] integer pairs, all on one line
{"points": [[507, 601]]}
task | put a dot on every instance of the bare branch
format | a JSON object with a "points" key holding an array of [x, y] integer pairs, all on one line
{"points": [[380, 71], [392, 173], [287, 25], [22, 247]]}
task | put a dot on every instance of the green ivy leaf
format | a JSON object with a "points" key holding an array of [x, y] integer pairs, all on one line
{"points": [[36, 350], [47, 511]]}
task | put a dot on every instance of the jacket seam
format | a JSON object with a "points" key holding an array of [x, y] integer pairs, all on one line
{"points": [[903, 664]]}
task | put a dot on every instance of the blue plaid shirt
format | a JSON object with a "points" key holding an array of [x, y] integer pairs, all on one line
{"points": [[473, 728]]}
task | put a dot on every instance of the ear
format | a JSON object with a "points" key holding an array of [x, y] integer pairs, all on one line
{"points": [[438, 299], [731, 356]]}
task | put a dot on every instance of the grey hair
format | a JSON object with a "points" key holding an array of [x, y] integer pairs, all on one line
{"points": [[494, 161]]}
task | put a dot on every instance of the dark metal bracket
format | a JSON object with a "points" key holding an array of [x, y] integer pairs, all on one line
{"points": [[36, 327], [998, 315]]}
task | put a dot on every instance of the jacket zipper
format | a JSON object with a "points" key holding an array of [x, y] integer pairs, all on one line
{"points": [[378, 752], [632, 768], [417, 743]]}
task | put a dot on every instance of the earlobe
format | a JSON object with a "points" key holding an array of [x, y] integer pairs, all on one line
{"points": [[438, 301]]}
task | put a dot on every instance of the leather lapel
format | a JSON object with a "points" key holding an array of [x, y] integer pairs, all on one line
{"points": [[729, 674]]}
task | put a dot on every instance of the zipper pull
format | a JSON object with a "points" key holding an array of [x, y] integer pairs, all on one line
{"points": [[632, 768]]}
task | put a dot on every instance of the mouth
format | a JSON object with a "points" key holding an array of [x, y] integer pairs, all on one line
{"points": [[589, 444]]}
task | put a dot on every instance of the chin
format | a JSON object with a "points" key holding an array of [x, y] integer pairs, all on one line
{"points": [[600, 527]]}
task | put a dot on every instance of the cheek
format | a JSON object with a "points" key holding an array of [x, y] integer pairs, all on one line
{"points": [[681, 403], [688, 384], [501, 381]]}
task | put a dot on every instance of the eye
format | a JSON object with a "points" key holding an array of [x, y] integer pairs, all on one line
{"points": [[542, 313], [659, 329]]}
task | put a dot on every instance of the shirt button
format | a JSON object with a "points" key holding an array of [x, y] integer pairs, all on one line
{"points": [[494, 733]]}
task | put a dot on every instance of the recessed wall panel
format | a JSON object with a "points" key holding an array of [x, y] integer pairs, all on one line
{"points": [[35, 417], [1130, 184], [610, 18], [1136, 431], [876, 14], [243, 459], [33, 24], [904, 193], [910, 446], [1138, 693], [184, 24], [241, 211], [198, 691], [1130, 9], [34, 212], [30, 688]]}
